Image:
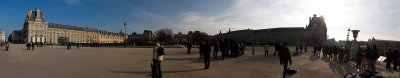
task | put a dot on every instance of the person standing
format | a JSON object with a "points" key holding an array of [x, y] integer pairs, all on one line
{"points": [[27, 46], [223, 49], [266, 47], [301, 49], [372, 56], [364, 62], [189, 47], [33, 46], [358, 58], [253, 48], [389, 58], [7, 45], [216, 49], [206, 49], [285, 58], [77, 47], [305, 48], [158, 56], [395, 59], [243, 48]]}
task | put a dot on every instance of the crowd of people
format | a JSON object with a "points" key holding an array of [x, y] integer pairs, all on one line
{"points": [[333, 53], [227, 48], [392, 58], [365, 58], [31, 46]]}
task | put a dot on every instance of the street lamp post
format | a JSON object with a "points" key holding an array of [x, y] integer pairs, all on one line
{"points": [[124, 34]]}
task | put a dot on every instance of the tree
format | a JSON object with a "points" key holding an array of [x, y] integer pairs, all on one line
{"points": [[164, 35], [199, 36]]}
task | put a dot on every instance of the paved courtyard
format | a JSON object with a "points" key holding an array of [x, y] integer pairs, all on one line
{"points": [[58, 62]]}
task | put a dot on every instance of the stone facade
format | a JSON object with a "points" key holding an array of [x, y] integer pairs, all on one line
{"points": [[36, 29], [2, 35], [316, 29], [314, 33]]}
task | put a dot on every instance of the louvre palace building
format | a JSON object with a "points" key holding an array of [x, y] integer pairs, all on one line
{"points": [[315, 32], [37, 29]]}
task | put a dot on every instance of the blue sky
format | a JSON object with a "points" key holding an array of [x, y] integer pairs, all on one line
{"points": [[378, 18]]}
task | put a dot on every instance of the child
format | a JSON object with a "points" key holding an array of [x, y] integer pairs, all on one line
{"points": [[364, 62]]}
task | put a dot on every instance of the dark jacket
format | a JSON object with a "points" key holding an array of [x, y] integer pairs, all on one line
{"points": [[206, 49], [285, 54]]}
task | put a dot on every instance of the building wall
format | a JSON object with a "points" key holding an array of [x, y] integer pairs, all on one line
{"points": [[37, 30], [2, 35]]}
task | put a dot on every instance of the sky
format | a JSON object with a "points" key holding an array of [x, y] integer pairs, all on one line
{"points": [[374, 18]]}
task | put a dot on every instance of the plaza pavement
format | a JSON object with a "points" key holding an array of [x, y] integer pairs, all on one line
{"points": [[58, 62]]}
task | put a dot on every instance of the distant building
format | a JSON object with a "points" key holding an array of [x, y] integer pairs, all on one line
{"points": [[134, 38], [37, 29], [292, 35], [316, 30], [2, 35], [148, 36], [179, 38], [383, 44], [314, 33], [16, 36]]}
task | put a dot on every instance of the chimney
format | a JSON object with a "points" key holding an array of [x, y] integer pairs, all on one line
{"points": [[37, 14], [29, 13]]}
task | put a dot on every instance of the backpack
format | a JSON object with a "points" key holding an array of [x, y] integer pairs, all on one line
{"points": [[160, 51]]}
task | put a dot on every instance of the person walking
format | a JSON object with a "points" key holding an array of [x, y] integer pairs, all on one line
{"points": [[7, 45], [216, 49], [277, 48], [266, 47], [285, 58], [189, 47], [206, 49]]}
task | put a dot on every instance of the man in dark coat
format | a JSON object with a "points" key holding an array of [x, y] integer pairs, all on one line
{"points": [[395, 59], [206, 49], [188, 46], [223, 49], [285, 58], [277, 48], [33, 46], [216, 49], [372, 56]]}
